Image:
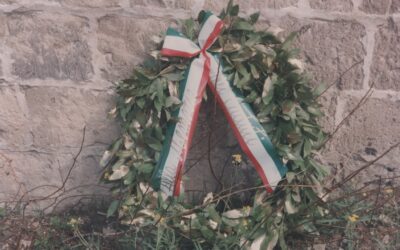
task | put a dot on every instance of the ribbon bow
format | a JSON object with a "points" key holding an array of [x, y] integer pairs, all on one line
{"points": [[202, 71]]}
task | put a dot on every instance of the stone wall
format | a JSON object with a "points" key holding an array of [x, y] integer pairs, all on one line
{"points": [[59, 59]]}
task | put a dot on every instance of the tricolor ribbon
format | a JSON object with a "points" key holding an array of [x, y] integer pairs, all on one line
{"points": [[203, 71]]}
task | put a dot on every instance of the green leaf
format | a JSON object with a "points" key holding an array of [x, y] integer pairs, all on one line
{"points": [[129, 178], [202, 15], [315, 111], [207, 233], [189, 28], [270, 241], [282, 242], [228, 7], [290, 207], [289, 40], [307, 147], [172, 100], [243, 55], [290, 176], [319, 89], [167, 115], [254, 17], [287, 106], [242, 25], [160, 89], [112, 208], [140, 102], [157, 146], [119, 172], [251, 97], [175, 77], [296, 195], [234, 10], [145, 168], [213, 214], [254, 71]]}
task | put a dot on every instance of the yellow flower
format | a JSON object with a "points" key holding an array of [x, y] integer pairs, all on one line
{"points": [[74, 222], [246, 209], [388, 190], [353, 218], [237, 158]]}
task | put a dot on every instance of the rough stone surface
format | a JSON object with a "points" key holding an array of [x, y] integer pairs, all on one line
{"points": [[91, 3], [199, 178], [395, 7], [337, 5], [2, 34], [375, 7], [49, 47], [385, 70], [14, 123], [329, 102], [128, 45], [180, 4], [371, 131], [329, 49], [3, 26], [9, 184], [48, 172], [254, 5], [57, 117]]}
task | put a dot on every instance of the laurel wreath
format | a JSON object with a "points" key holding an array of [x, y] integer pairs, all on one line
{"points": [[264, 69]]}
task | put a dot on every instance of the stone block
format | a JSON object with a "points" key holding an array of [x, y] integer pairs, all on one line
{"points": [[127, 45], [58, 115], [329, 103], [375, 7], [49, 46], [329, 48], [92, 3], [395, 7], [338, 5], [10, 187], [367, 134], [3, 26], [218, 149], [3, 29], [252, 5], [29, 2], [36, 175], [385, 68], [199, 179], [177, 4], [14, 122]]}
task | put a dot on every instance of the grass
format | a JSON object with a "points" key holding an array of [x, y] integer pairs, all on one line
{"points": [[368, 220]]}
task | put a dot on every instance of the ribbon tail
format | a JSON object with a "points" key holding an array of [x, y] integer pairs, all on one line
{"points": [[168, 174], [252, 137]]}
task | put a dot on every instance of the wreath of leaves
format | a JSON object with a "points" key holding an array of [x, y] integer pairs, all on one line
{"points": [[263, 68]]}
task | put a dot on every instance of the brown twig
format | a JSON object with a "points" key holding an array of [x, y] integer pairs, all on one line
{"points": [[359, 104], [356, 172], [377, 198], [339, 78], [70, 169]]}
